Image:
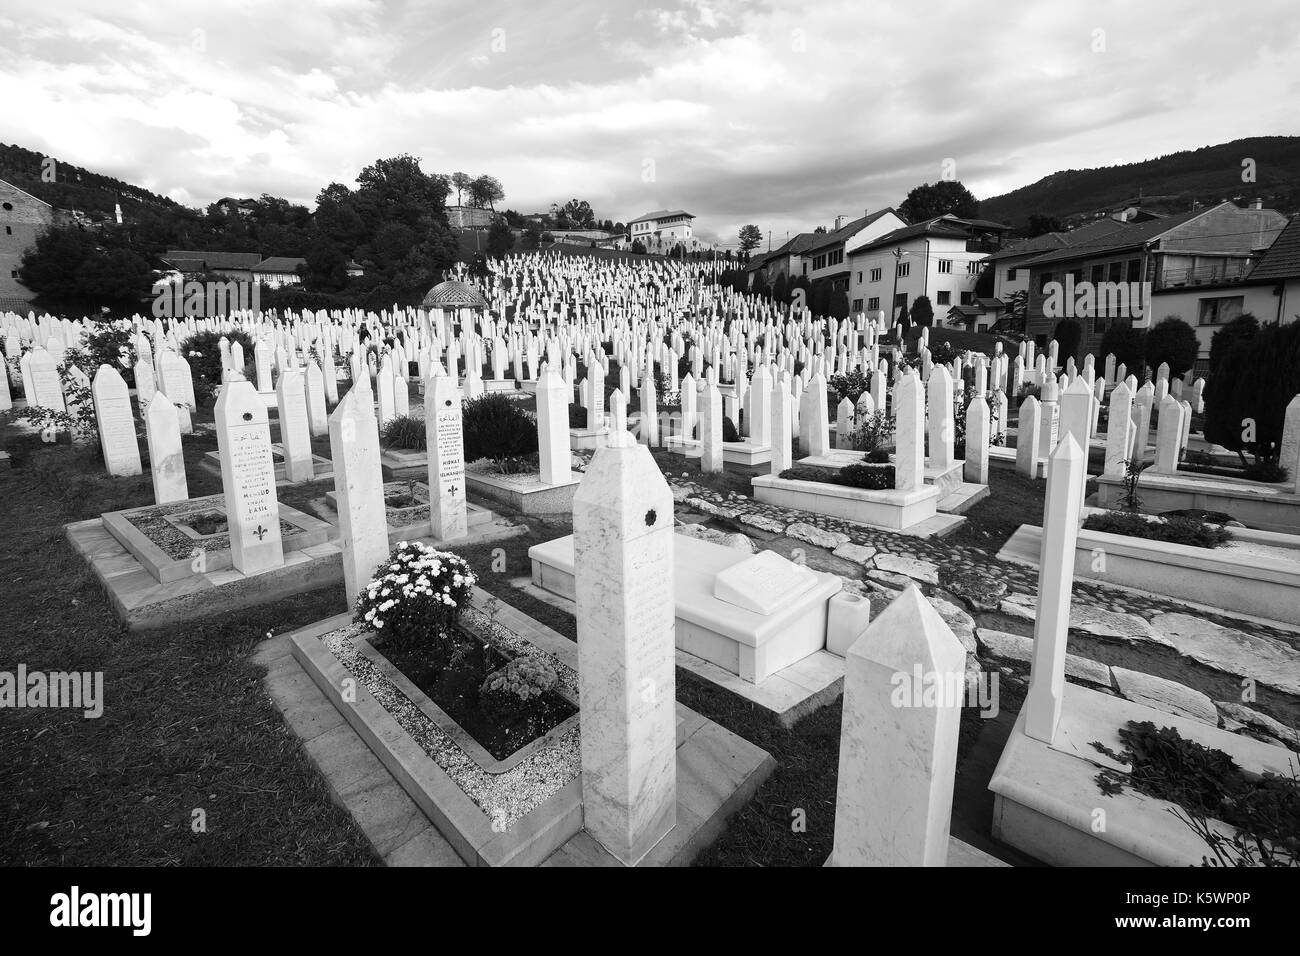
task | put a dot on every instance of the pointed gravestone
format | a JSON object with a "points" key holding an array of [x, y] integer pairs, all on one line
{"points": [[711, 459], [116, 423], [904, 680], [1066, 473], [814, 419], [248, 478], [1169, 436], [782, 416], [623, 576], [1119, 430], [909, 433], [166, 457], [318, 421], [1028, 436], [295, 434], [1289, 453], [554, 453], [444, 439], [359, 491], [844, 413], [939, 396], [976, 468]]}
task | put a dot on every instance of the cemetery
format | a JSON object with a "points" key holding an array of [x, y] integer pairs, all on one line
{"points": [[600, 562]]}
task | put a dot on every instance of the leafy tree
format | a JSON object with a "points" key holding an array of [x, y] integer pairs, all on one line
{"points": [[819, 231], [462, 183], [70, 268], [638, 247], [930, 200], [781, 290], [1039, 225], [327, 266], [578, 213], [486, 191], [922, 312], [1243, 327], [500, 239], [839, 307], [1174, 341], [1068, 334], [750, 237], [1127, 344], [1246, 400]]}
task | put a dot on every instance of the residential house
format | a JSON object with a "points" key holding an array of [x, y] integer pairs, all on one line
{"points": [[23, 218], [277, 271], [1130, 269], [786, 260], [231, 265], [941, 258], [825, 259]]}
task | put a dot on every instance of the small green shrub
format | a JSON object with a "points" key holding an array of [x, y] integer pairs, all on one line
{"points": [[518, 693], [874, 431], [877, 456], [1266, 470], [203, 351], [1187, 531], [729, 430], [495, 427], [869, 476], [403, 432], [851, 385]]}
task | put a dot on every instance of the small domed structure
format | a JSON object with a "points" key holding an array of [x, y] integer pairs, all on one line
{"points": [[454, 295]]}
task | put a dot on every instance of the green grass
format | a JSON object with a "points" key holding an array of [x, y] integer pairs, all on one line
{"points": [[186, 723]]}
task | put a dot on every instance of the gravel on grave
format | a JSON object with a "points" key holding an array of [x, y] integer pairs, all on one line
{"points": [[175, 543], [504, 797]]}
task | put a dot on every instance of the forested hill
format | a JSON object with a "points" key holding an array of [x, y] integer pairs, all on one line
{"points": [[74, 187], [1166, 184]]}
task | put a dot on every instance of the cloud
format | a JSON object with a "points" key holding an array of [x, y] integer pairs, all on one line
{"points": [[780, 114]]}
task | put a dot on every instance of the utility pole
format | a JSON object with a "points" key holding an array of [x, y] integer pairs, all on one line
{"points": [[893, 302]]}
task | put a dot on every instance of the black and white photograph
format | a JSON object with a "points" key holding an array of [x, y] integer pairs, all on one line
{"points": [[691, 434]]}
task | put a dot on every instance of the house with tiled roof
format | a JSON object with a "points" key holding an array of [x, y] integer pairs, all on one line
{"points": [[941, 259], [824, 259], [1193, 265], [277, 271], [786, 260], [230, 265]]}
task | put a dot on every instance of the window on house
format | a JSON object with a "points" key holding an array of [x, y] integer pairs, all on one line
{"points": [[857, 305], [904, 269], [1220, 310], [1097, 274], [945, 266], [875, 275], [805, 268], [1116, 271], [859, 278], [1135, 270], [873, 303], [9, 230], [900, 301], [1043, 279], [8, 207], [943, 298], [1011, 275], [973, 268], [968, 298], [13, 273]]}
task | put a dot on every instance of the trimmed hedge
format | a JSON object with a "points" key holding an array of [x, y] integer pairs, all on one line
{"points": [[1188, 531], [495, 427], [869, 476]]}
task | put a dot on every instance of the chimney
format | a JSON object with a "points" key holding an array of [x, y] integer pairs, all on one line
{"points": [[1257, 204], [839, 221]]}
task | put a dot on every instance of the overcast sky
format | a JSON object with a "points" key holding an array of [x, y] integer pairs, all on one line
{"points": [[781, 114]]}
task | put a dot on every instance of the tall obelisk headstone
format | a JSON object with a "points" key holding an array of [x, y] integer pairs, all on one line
{"points": [[445, 441], [623, 571]]}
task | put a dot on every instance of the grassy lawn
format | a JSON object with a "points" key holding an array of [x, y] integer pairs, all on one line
{"points": [[186, 724]]}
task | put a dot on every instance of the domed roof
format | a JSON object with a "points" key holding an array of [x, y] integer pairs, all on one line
{"points": [[454, 294]]}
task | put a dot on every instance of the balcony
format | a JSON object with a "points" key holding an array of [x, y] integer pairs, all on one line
{"points": [[1232, 271]]}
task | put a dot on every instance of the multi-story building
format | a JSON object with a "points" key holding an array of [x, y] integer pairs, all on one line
{"points": [[1139, 272], [23, 218], [665, 225], [277, 271], [825, 259], [941, 259]]}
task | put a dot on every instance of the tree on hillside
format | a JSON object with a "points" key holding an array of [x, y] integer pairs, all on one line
{"points": [[1039, 225], [69, 268], [1174, 341], [930, 200], [326, 268], [750, 237], [578, 214], [500, 239], [486, 191], [461, 182]]}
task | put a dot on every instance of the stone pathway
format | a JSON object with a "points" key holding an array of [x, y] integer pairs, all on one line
{"points": [[962, 580]]}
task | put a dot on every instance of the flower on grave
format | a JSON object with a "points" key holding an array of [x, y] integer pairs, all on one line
{"points": [[417, 593]]}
